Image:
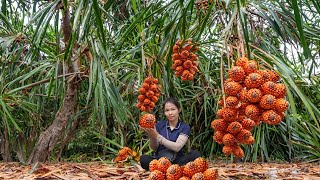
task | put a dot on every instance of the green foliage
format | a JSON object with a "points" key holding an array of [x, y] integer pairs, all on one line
{"points": [[85, 146]]}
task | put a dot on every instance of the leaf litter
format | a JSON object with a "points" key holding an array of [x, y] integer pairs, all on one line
{"points": [[100, 170]]}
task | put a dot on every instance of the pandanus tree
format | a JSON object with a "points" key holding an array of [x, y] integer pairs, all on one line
{"points": [[65, 63], [59, 57]]}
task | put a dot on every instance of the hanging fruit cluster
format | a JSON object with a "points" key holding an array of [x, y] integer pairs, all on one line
{"points": [[163, 169], [203, 5], [148, 94], [252, 96], [184, 60], [126, 153], [147, 121]]}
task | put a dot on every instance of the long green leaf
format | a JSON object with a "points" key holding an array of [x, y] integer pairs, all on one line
{"points": [[7, 114], [6, 22], [99, 23], [305, 46]]}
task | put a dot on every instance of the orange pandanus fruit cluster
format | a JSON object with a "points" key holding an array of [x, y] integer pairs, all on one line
{"points": [[148, 94], [184, 60], [252, 96], [197, 169], [147, 121], [126, 153], [203, 5]]}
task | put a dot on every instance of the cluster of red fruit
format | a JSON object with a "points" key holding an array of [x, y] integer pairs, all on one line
{"points": [[252, 96], [147, 121], [184, 60], [203, 5], [148, 94], [126, 153], [163, 169]]}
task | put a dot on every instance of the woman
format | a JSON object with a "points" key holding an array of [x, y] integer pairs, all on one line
{"points": [[169, 137]]}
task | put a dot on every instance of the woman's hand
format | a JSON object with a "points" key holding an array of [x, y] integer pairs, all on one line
{"points": [[152, 132], [153, 136]]}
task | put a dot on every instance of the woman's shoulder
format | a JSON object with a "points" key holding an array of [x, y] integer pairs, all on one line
{"points": [[183, 124]]}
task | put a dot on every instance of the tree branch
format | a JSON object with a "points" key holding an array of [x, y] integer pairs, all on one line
{"points": [[44, 81]]}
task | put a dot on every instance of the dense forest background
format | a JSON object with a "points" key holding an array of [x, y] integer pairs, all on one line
{"points": [[70, 73]]}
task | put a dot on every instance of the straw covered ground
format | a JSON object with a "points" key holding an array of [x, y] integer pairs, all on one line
{"points": [[99, 170]]}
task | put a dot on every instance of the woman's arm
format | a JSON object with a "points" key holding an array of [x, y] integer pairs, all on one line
{"points": [[154, 144], [156, 139], [174, 146], [153, 134]]}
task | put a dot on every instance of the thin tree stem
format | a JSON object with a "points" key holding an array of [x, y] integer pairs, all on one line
{"points": [[43, 81]]}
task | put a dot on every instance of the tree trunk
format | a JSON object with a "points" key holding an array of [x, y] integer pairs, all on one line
{"points": [[5, 146], [1, 145], [122, 13], [68, 137], [49, 138], [19, 149]]}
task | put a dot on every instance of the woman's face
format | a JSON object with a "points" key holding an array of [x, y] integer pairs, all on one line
{"points": [[171, 111]]}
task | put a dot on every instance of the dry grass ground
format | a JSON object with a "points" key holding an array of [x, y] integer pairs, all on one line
{"points": [[98, 170]]}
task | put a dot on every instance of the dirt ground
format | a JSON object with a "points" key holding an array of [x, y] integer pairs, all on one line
{"points": [[99, 170]]}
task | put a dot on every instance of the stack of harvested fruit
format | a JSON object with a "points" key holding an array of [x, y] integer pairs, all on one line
{"points": [[184, 60], [252, 96], [198, 169], [148, 94]]}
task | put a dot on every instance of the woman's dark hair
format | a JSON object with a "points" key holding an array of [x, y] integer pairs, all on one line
{"points": [[173, 101]]}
